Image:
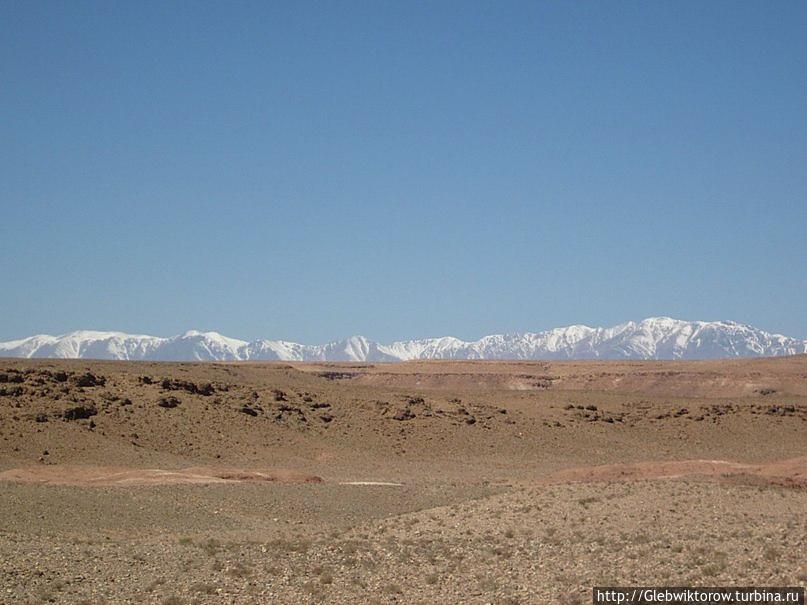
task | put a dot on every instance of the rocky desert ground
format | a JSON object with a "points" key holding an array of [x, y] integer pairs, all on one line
{"points": [[423, 482]]}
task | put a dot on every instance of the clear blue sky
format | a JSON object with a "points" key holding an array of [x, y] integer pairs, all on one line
{"points": [[400, 169]]}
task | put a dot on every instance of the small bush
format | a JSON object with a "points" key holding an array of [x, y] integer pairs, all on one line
{"points": [[393, 589]]}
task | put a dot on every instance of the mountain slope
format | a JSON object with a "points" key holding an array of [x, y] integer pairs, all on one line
{"points": [[652, 338]]}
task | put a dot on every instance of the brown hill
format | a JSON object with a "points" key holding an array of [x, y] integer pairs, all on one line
{"points": [[279, 482]]}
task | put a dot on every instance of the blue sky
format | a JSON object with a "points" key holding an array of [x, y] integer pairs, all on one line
{"points": [[400, 169]]}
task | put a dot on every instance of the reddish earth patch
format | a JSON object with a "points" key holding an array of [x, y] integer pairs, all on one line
{"points": [[792, 472], [103, 476]]}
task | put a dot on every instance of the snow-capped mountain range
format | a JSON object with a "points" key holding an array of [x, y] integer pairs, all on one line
{"points": [[652, 338]]}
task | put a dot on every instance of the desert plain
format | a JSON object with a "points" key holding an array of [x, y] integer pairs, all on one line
{"points": [[421, 482]]}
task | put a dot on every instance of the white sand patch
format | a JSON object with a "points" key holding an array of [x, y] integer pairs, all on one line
{"points": [[385, 483]]}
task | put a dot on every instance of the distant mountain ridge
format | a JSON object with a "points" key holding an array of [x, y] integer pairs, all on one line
{"points": [[652, 338]]}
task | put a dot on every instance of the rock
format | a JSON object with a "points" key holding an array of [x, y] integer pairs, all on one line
{"points": [[12, 378], [168, 402], [88, 379], [406, 414], [326, 418], [248, 410], [187, 386], [80, 412], [337, 375]]}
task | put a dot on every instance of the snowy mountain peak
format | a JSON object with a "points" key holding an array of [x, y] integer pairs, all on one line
{"points": [[650, 338]]}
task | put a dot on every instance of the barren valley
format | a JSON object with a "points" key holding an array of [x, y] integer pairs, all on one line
{"points": [[416, 482]]}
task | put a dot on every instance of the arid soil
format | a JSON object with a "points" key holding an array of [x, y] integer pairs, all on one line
{"points": [[426, 482]]}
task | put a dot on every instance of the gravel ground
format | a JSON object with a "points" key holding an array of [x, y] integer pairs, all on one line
{"points": [[700, 480], [543, 544]]}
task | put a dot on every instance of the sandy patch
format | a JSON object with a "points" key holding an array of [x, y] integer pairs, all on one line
{"points": [[104, 476], [382, 483], [791, 472]]}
